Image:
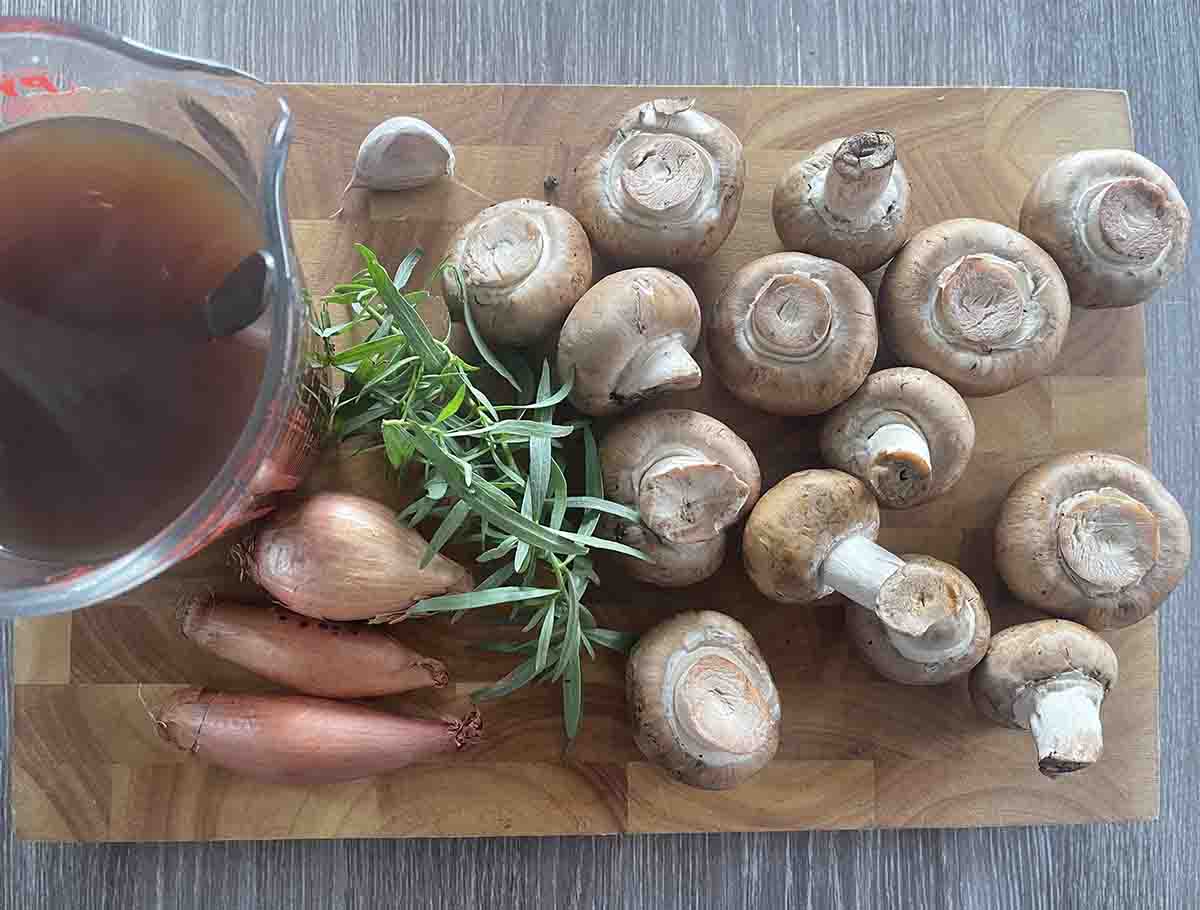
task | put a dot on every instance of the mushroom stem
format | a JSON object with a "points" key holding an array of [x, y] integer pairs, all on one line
{"points": [[663, 175], [983, 302], [716, 704], [687, 498], [857, 567], [662, 366], [1063, 713], [900, 467], [944, 639], [1128, 221], [859, 173], [1107, 540]]}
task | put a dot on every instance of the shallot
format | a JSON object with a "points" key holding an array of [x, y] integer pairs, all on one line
{"points": [[298, 739], [333, 659], [339, 556]]}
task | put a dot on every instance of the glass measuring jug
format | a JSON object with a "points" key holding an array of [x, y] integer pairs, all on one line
{"points": [[136, 182]]}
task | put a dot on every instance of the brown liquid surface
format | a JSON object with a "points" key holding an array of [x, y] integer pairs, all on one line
{"points": [[115, 413]]}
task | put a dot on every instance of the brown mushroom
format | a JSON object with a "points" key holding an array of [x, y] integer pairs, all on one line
{"points": [[945, 650], [848, 202], [688, 474], [665, 188], [1113, 221], [691, 478], [1050, 678], [976, 303], [702, 701], [525, 263], [793, 334], [1093, 537], [814, 532], [905, 433], [629, 338]]}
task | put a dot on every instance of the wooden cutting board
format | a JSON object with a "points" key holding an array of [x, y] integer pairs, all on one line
{"points": [[856, 752]]}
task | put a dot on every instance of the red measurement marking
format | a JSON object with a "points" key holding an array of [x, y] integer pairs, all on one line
{"points": [[18, 85]]}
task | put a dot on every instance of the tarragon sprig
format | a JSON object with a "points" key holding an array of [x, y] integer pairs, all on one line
{"points": [[494, 475]]}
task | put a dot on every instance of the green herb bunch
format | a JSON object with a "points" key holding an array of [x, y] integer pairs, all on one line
{"points": [[495, 475]]}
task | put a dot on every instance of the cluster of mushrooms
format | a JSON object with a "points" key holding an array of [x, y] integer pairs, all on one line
{"points": [[969, 307]]}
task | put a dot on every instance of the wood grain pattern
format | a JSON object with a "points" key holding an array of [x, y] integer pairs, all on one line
{"points": [[855, 751]]}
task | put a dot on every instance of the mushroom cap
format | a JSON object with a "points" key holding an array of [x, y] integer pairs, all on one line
{"points": [[911, 397], [1032, 653], [925, 577], [665, 188], [863, 244], [795, 526], [977, 303], [670, 565], [1094, 537], [691, 503], [619, 323], [793, 334], [1146, 217], [707, 663], [526, 263]]}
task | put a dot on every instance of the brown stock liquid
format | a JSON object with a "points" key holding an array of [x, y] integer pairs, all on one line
{"points": [[113, 419]]}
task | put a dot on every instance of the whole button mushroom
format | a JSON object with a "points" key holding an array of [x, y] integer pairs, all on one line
{"points": [[976, 303], [690, 477], [905, 433], [944, 650], [814, 533], [848, 202], [688, 474], [793, 334], [1113, 221], [1050, 678], [702, 700], [665, 188], [629, 338], [525, 264], [1093, 537]]}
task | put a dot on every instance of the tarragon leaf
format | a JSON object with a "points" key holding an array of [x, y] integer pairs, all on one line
{"points": [[432, 354], [451, 523], [406, 268], [473, 600], [603, 505], [524, 672]]}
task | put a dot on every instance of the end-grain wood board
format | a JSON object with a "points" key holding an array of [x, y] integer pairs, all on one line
{"points": [[856, 752]]}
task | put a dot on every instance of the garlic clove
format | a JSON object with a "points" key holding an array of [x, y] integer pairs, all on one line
{"points": [[402, 153]]}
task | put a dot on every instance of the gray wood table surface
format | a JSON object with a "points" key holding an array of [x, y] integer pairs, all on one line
{"points": [[1149, 48]]}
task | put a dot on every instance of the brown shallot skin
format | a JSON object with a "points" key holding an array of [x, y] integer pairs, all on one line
{"points": [[332, 659], [339, 556], [298, 739]]}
